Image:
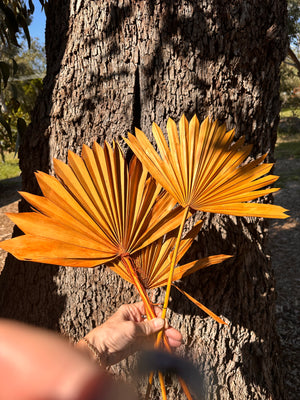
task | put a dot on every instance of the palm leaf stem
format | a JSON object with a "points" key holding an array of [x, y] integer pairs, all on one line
{"points": [[162, 385], [170, 277], [185, 388], [149, 386], [166, 301], [129, 265], [181, 381]]}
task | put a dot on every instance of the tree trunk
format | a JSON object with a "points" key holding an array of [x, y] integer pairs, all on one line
{"points": [[113, 65]]}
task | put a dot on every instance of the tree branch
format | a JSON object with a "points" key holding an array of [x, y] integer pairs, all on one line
{"points": [[295, 59]]}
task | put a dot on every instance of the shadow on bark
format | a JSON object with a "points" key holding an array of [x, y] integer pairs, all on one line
{"points": [[10, 187], [230, 290], [27, 290]]}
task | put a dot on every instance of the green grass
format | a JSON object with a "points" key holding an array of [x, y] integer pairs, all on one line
{"points": [[287, 146], [286, 177], [10, 168], [288, 140], [290, 112]]}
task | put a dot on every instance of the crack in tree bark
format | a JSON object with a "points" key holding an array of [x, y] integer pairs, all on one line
{"points": [[137, 106]]}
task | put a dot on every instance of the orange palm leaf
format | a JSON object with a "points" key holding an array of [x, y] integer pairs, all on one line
{"points": [[200, 305], [203, 170], [98, 210], [101, 211], [152, 263]]}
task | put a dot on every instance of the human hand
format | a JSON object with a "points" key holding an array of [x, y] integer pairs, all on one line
{"points": [[38, 364], [125, 332]]}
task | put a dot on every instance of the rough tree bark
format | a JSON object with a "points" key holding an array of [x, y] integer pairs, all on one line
{"points": [[113, 65]]}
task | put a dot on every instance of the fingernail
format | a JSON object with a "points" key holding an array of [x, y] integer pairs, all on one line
{"points": [[158, 323], [166, 324]]}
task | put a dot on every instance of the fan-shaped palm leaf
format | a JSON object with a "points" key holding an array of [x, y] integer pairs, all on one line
{"points": [[99, 210], [152, 263], [203, 170]]}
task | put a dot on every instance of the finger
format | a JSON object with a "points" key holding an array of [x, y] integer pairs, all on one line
{"points": [[148, 327], [173, 334], [139, 311], [132, 312], [158, 311], [174, 343], [140, 307]]}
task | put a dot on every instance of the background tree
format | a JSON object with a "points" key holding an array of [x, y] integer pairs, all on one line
{"points": [[293, 23], [289, 82], [15, 17], [113, 65], [19, 94], [290, 68]]}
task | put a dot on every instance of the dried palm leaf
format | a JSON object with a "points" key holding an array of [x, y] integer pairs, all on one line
{"points": [[97, 210], [152, 266], [152, 263], [203, 170]]}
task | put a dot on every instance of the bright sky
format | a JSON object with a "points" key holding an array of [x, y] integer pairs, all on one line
{"points": [[37, 26]]}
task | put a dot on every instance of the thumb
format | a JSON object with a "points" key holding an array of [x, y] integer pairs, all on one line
{"points": [[148, 327]]}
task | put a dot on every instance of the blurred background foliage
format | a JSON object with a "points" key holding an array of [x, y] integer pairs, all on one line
{"points": [[22, 68], [290, 68], [18, 96]]}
